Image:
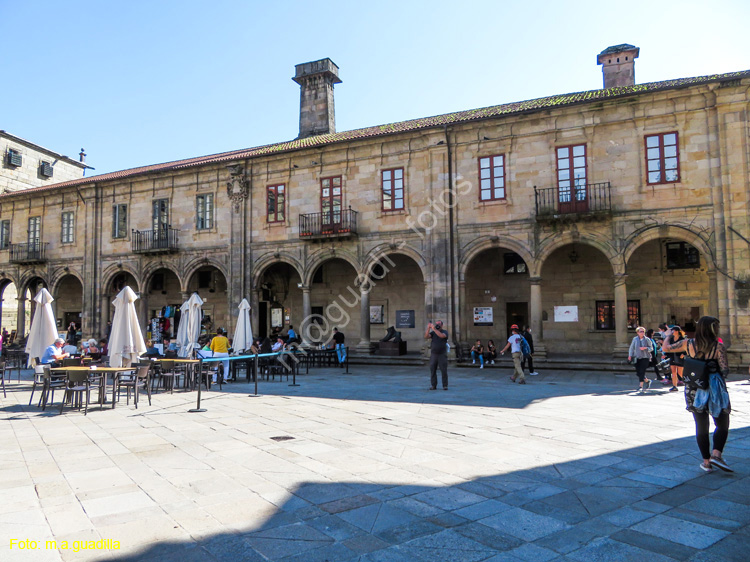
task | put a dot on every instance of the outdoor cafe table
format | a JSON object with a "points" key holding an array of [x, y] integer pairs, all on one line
{"points": [[105, 370], [189, 364]]}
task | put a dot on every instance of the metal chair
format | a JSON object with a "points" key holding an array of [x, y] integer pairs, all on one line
{"points": [[140, 379], [77, 385]]}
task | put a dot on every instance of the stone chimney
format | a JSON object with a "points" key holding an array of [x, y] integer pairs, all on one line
{"points": [[316, 111], [618, 65]]}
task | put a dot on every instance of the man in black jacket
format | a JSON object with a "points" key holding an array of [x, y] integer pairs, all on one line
{"points": [[527, 336]]}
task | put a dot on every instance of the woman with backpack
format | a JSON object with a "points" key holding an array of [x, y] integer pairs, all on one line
{"points": [[714, 400]]}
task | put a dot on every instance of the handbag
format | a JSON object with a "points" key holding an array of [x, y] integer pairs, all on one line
{"points": [[695, 371]]}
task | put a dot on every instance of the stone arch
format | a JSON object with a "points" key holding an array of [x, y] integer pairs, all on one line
{"points": [[153, 267], [323, 256], [374, 255], [113, 271], [192, 267], [639, 238], [484, 243], [264, 262], [7, 280], [26, 280], [567, 238], [61, 274]]}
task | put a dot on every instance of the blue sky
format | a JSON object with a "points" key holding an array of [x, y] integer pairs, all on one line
{"points": [[142, 82]]}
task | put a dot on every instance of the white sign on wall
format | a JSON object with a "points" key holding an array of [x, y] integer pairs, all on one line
{"points": [[566, 314], [483, 316]]}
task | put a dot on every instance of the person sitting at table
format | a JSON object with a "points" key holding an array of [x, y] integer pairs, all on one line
{"points": [[220, 348], [54, 354], [91, 347], [170, 349], [255, 347], [70, 349], [151, 349], [278, 346], [291, 335], [103, 347]]}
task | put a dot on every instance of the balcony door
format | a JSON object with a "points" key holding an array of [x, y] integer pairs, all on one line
{"points": [[35, 232], [330, 203], [572, 184], [160, 223]]}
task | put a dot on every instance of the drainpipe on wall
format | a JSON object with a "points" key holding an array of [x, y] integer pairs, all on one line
{"points": [[451, 252]]}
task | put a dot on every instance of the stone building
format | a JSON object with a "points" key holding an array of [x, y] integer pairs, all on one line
{"points": [[582, 215], [26, 165]]}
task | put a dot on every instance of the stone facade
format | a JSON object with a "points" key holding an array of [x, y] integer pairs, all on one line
{"points": [[622, 250], [30, 173]]}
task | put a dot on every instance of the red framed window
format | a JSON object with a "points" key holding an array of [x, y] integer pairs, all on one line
{"points": [[392, 184], [331, 199], [662, 158], [492, 177], [275, 202]]}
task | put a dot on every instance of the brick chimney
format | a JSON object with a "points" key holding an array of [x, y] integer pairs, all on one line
{"points": [[316, 111], [618, 65]]}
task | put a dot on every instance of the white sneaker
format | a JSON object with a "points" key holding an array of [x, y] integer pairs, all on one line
{"points": [[481, 366], [533, 374], [473, 362], [492, 362]]}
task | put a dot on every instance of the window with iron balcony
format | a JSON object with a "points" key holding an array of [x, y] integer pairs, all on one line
{"points": [[662, 158]]}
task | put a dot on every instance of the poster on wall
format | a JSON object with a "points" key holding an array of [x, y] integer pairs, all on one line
{"points": [[376, 314], [483, 316], [566, 314], [405, 319], [277, 318]]}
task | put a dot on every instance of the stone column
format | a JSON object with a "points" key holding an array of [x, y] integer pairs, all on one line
{"points": [[21, 317], [535, 317], [621, 316], [254, 305], [713, 296], [365, 345], [304, 327], [143, 318], [104, 311]]}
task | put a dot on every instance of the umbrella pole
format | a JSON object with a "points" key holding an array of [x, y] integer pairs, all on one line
{"points": [[255, 376], [198, 408]]}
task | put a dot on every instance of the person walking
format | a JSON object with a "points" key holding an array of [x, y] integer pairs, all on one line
{"points": [[713, 401], [438, 352], [220, 348], [338, 340], [514, 343], [675, 335], [477, 350], [640, 350], [526, 334]]}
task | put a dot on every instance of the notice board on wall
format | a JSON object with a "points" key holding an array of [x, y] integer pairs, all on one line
{"points": [[566, 314]]}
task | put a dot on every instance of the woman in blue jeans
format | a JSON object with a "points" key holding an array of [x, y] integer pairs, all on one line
{"points": [[640, 350]]}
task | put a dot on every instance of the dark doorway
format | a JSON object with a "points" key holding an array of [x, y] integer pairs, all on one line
{"points": [[516, 313], [262, 319]]}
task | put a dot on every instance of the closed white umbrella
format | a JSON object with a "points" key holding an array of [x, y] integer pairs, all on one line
{"points": [[43, 331], [193, 324], [126, 343], [243, 332], [182, 341]]}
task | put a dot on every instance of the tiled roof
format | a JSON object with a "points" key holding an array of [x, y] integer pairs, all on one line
{"points": [[405, 126]]}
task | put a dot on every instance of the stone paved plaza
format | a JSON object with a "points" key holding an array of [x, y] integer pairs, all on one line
{"points": [[374, 467]]}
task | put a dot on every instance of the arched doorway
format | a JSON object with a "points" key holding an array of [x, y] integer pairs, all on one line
{"points": [[211, 285], [334, 302], [279, 299], [68, 304], [32, 287], [496, 295], [162, 298], [578, 300], [9, 303], [668, 280]]}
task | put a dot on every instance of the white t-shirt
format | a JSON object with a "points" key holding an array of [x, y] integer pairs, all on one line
{"points": [[515, 343]]}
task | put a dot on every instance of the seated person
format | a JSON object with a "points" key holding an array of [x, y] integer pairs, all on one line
{"points": [[70, 349], [265, 346], [477, 350], [103, 347], [291, 335], [491, 352], [54, 354], [92, 347], [255, 348], [170, 349], [278, 346], [151, 349]]}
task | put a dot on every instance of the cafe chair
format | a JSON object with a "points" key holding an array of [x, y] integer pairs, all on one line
{"points": [[71, 362], [77, 387], [2, 377], [140, 380], [50, 382]]}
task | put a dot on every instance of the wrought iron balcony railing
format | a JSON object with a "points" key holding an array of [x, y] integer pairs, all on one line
{"points": [[161, 241], [329, 224], [581, 199], [31, 252]]}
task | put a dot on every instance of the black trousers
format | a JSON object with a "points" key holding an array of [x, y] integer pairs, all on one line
{"points": [[721, 432], [438, 360], [531, 362]]}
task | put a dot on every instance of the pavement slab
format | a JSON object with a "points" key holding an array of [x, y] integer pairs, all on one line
{"points": [[570, 467]]}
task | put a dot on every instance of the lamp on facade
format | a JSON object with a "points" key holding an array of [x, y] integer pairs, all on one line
{"points": [[573, 256]]}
